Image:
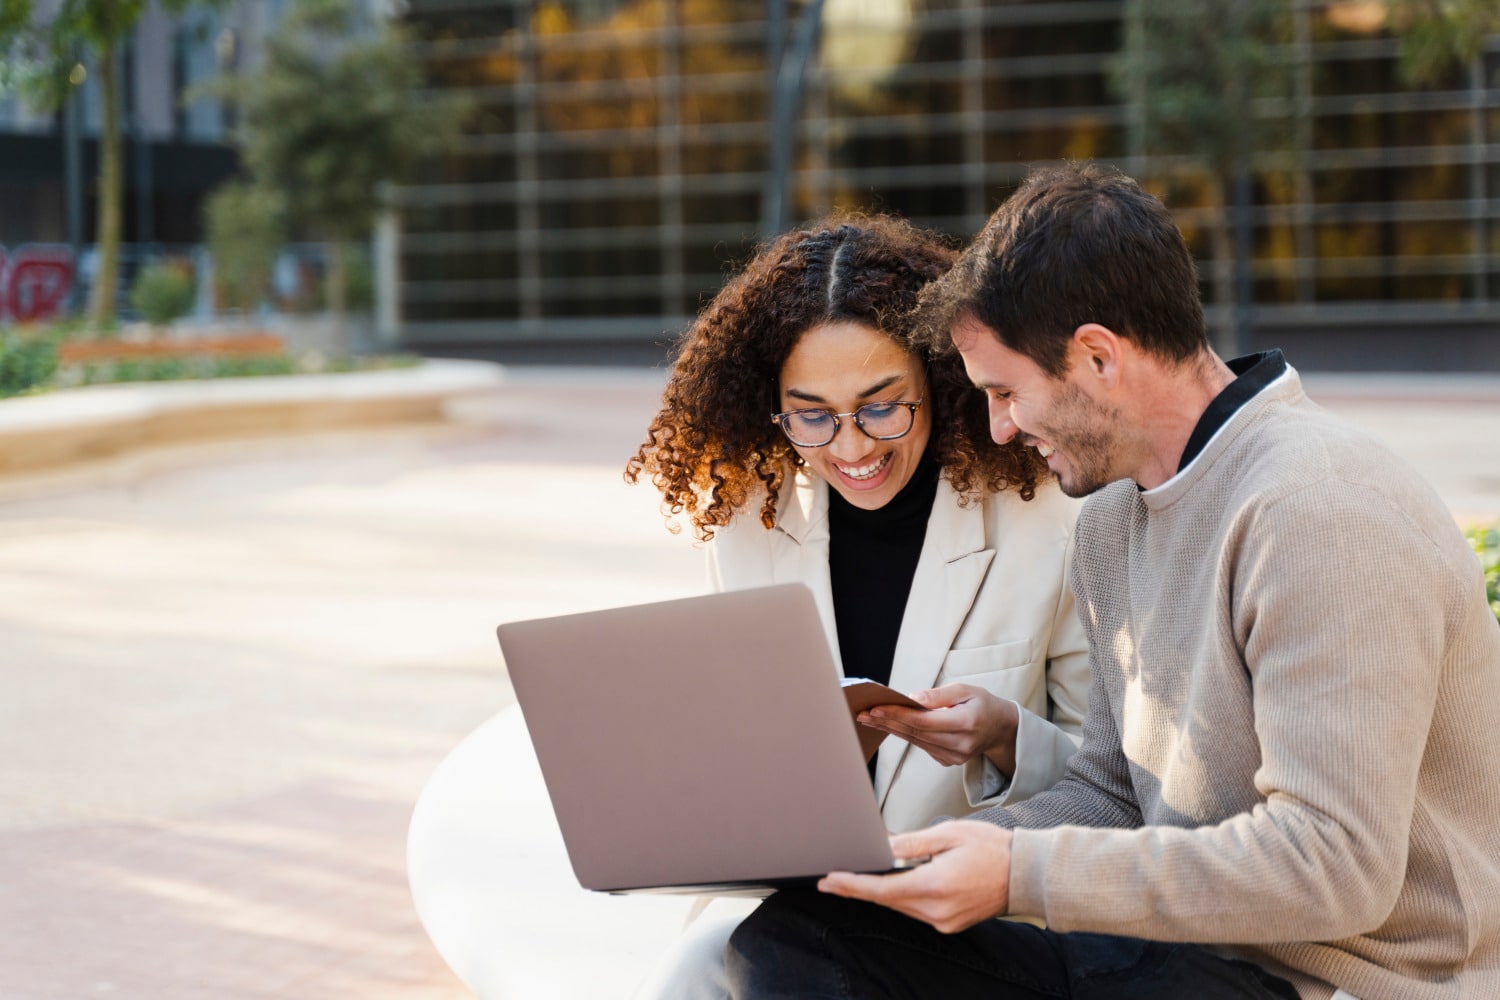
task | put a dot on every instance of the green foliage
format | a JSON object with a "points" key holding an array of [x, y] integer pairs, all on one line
{"points": [[170, 369], [359, 288], [204, 366], [335, 115], [244, 367], [1441, 36], [76, 328], [1486, 542], [1209, 85], [14, 18], [46, 49], [163, 292], [43, 44], [26, 363], [1201, 74], [244, 222]]}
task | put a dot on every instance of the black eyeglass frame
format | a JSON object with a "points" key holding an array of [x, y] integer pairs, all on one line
{"points": [[781, 418]]}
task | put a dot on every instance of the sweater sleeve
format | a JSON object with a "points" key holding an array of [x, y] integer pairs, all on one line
{"points": [[1340, 608], [1094, 788]]}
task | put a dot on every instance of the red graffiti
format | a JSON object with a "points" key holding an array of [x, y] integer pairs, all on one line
{"points": [[35, 282]]}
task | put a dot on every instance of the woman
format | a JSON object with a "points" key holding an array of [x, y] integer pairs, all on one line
{"points": [[808, 434]]}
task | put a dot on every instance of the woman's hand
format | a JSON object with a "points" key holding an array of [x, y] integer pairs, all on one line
{"points": [[961, 722]]}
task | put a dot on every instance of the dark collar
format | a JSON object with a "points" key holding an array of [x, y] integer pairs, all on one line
{"points": [[1254, 372]]}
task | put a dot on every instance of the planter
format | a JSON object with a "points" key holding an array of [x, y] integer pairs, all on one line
{"points": [[245, 345]]}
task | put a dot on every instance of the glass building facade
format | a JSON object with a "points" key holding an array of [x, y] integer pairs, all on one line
{"points": [[623, 155]]}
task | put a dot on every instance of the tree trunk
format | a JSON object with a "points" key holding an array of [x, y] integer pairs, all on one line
{"points": [[111, 195], [338, 293]]}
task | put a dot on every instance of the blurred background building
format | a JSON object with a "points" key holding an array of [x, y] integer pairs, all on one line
{"points": [[176, 151], [626, 150], [622, 154]]}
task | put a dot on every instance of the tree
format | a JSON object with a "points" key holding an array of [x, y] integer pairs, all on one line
{"points": [[1439, 36], [1198, 73], [332, 119], [245, 228], [45, 52]]}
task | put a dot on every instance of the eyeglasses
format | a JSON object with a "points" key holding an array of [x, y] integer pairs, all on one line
{"points": [[814, 428]]}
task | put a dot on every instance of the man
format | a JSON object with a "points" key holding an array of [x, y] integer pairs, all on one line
{"points": [[1288, 781]]}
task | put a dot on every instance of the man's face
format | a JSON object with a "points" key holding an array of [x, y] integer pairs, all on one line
{"points": [[1072, 431]]}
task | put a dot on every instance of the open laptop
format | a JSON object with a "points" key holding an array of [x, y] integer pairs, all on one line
{"points": [[697, 745]]}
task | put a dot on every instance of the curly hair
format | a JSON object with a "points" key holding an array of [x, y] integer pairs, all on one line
{"points": [[713, 446]]}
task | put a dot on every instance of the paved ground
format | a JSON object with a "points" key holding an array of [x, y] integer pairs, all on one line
{"points": [[1448, 427], [228, 669]]}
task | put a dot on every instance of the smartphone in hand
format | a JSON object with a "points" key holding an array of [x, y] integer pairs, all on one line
{"points": [[863, 694]]}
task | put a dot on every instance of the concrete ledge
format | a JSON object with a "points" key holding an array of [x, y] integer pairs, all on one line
{"points": [[98, 421]]}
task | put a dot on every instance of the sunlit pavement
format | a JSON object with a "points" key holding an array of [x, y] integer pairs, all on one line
{"points": [[229, 668], [1446, 426]]}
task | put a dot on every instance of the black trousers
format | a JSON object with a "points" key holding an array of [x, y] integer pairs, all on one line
{"points": [[811, 945]]}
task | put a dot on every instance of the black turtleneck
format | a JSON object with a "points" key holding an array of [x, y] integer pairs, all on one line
{"points": [[1253, 372], [872, 557]]}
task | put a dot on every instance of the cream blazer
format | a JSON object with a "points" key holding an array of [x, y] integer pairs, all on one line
{"points": [[989, 606]]}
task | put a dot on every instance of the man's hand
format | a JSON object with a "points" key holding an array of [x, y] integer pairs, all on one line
{"points": [[967, 880], [962, 722]]}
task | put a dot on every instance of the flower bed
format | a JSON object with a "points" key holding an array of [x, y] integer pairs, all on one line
{"points": [[247, 345], [33, 360]]}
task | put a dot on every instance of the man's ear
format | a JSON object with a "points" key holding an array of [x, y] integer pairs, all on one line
{"points": [[1097, 351]]}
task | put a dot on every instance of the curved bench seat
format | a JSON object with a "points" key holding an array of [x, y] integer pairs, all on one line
{"points": [[494, 890]]}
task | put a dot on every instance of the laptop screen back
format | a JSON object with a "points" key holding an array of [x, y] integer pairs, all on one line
{"points": [[696, 742]]}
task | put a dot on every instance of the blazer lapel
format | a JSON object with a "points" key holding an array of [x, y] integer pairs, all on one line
{"points": [[955, 557], [802, 519]]}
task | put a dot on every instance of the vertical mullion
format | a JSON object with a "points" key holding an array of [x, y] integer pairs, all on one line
{"points": [[528, 190], [1136, 163], [1478, 186], [821, 150], [973, 114], [669, 164], [1303, 242]]}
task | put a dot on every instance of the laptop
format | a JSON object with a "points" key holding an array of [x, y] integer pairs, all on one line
{"points": [[700, 745]]}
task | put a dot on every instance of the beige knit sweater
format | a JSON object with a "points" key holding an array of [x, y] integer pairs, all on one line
{"points": [[1293, 743]]}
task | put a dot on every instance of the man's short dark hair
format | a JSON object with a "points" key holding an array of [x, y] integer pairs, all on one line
{"points": [[1076, 243]]}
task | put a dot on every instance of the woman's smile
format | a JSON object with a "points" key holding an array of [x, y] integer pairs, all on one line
{"points": [[865, 475]]}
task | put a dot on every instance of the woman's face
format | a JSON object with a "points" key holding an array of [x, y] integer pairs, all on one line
{"points": [[840, 367]]}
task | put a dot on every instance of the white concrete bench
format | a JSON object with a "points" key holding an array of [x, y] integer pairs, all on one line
{"points": [[494, 889], [95, 421]]}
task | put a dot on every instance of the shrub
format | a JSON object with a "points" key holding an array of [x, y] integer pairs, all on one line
{"points": [[359, 288], [243, 367], [26, 363], [163, 292], [244, 225], [1486, 542], [167, 369]]}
